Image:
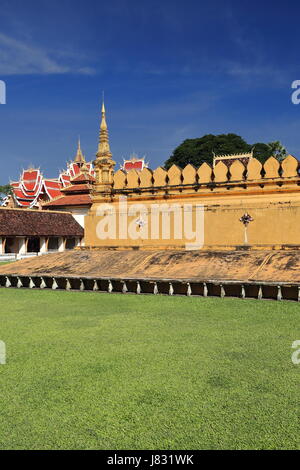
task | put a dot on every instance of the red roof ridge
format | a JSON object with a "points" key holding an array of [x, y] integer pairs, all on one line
{"points": [[71, 200], [83, 177], [53, 199]]}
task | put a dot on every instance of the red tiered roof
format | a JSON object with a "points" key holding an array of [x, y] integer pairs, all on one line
{"points": [[31, 180], [82, 177], [33, 188], [134, 163], [64, 179], [77, 193], [70, 200], [52, 188]]}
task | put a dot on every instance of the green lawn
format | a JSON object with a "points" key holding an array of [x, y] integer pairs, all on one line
{"points": [[100, 371]]}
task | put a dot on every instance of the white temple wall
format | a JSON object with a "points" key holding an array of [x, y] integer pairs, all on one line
{"points": [[78, 213]]}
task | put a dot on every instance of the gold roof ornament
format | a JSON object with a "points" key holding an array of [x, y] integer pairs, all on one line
{"points": [[104, 164], [79, 158], [103, 145], [228, 159]]}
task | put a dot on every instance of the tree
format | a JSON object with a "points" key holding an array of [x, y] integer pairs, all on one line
{"points": [[200, 150], [5, 190], [278, 150], [261, 151]]}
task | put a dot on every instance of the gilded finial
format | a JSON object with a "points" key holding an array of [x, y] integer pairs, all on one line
{"points": [[103, 146], [79, 158], [104, 164]]}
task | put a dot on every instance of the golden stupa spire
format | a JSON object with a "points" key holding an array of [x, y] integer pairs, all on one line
{"points": [[79, 158], [104, 164], [103, 146]]}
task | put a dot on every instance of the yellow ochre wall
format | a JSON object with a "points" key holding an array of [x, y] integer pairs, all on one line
{"points": [[269, 193]]}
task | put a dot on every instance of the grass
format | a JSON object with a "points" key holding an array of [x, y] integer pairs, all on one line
{"points": [[100, 371]]}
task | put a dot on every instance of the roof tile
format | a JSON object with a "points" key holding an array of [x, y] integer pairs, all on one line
{"points": [[22, 222]]}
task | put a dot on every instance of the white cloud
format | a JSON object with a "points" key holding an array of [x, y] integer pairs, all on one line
{"points": [[256, 74], [20, 58]]}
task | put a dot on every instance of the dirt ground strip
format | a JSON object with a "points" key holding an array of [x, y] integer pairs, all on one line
{"points": [[265, 266]]}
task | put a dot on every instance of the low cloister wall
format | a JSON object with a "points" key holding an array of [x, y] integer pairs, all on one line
{"points": [[245, 274], [257, 290]]}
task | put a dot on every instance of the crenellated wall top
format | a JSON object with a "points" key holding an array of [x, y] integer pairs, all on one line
{"points": [[237, 173]]}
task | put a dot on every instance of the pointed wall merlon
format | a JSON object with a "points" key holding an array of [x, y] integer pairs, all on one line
{"points": [[290, 167], [133, 180], [220, 173], [237, 171], [174, 175], [120, 180], [160, 177], [146, 178], [189, 174]]}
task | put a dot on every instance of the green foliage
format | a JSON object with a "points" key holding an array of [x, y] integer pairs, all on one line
{"points": [[5, 190], [200, 150], [262, 151], [277, 150], [99, 371]]}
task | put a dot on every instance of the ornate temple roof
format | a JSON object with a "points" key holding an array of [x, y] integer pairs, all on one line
{"points": [[77, 192], [134, 163], [229, 159], [33, 188]]}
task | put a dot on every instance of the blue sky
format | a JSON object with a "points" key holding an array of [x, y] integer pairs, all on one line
{"points": [[170, 70]]}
